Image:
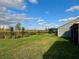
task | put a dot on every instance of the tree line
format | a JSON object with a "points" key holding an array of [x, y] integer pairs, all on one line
{"points": [[19, 32]]}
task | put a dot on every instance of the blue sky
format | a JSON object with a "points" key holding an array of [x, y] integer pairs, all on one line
{"points": [[39, 14]]}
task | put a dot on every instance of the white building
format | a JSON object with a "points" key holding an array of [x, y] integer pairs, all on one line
{"points": [[64, 30], [4, 26]]}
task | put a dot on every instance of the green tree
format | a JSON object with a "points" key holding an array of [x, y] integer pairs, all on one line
{"points": [[18, 26], [18, 29]]}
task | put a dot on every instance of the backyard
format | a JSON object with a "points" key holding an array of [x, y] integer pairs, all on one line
{"points": [[45, 46]]}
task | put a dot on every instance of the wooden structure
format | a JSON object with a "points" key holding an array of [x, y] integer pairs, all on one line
{"points": [[75, 33]]}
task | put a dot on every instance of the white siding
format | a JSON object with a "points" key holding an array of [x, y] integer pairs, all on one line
{"points": [[65, 29]]}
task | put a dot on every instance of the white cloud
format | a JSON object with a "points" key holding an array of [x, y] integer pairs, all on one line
{"points": [[33, 1], [13, 4], [45, 24], [40, 20], [20, 4], [11, 18], [73, 8], [6, 15], [40, 23], [51, 25], [68, 19]]}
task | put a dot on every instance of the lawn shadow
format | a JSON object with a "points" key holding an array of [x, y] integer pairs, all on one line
{"points": [[62, 50]]}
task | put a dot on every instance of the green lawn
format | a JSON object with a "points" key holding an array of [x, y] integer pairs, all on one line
{"points": [[44, 46]]}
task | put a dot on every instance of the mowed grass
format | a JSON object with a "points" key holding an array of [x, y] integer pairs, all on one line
{"points": [[45, 46]]}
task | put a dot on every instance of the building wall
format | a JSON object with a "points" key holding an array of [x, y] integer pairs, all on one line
{"points": [[4, 27], [64, 31]]}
